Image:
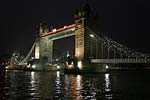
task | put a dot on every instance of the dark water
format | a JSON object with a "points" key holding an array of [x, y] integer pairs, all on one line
{"points": [[126, 85]]}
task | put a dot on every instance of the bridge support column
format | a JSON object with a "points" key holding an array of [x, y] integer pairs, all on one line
{"points": [[79, 39], [46, 50], [50, 58]]}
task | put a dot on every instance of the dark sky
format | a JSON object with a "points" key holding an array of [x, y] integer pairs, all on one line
{"points": [[126, 21]]}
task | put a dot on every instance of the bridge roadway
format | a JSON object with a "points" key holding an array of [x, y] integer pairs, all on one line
{"points": [[116, 61]]}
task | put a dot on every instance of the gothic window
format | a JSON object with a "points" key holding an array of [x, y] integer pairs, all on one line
{"points": [[80, 43]]}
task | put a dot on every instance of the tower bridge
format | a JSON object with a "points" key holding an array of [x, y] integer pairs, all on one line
{"points": [[90, 46], [97, 49]]}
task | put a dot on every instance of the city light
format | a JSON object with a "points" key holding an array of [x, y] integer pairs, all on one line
{"points": [[91, 35], [79, 86], [107, 66], [33, 66], [58, 74], [29, 65], [80, 64], [7, 67], [70, 65], [58, 67], [54, 30], [65, 27]]}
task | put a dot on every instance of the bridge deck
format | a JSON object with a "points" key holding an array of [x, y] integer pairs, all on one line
{"points": [[115, 61]]}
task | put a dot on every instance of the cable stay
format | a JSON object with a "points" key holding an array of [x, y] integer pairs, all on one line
{"points": [[117, 46], [28, 55]]}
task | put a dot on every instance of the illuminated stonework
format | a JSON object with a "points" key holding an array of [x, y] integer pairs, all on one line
{"points": [[79, 39], [37, 50], [47, 39], [46, 49]]}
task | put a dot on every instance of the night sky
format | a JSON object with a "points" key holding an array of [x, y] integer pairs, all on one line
{"points": [[125, 21]]}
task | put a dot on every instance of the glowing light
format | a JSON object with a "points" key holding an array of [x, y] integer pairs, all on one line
{"points": [[58, 67], [32, 75], [32, 79], [13, 54], [91, 35], [79, 86], [70, 65], [54, 30], [65, 27], [68, 54], [7, 67], [58, 73], [73, 29], [33, 66], [29, 65], [107, 80], [107, 86], [80, 64], [107, 66]]}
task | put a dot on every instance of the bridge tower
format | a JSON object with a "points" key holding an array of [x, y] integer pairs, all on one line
{"points": [[81, 36], [46, 45]]}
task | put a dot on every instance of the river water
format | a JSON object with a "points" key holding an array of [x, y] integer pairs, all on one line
{"points": [[30, 85]]}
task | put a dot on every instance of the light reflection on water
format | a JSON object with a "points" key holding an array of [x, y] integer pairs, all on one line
{"points": [[20, 85], [32, 79], [76, 86], [107, 86], [107, 80]]}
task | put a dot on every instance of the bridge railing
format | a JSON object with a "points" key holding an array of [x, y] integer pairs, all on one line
{"points": [[115, 61]]}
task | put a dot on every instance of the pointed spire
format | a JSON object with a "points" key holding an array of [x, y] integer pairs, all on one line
{"points": [[40, 29], [87, 10], [84, 12]]}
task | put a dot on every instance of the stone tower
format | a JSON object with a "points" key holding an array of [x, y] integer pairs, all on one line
{"points": [[81, 37], [46, 45]]}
